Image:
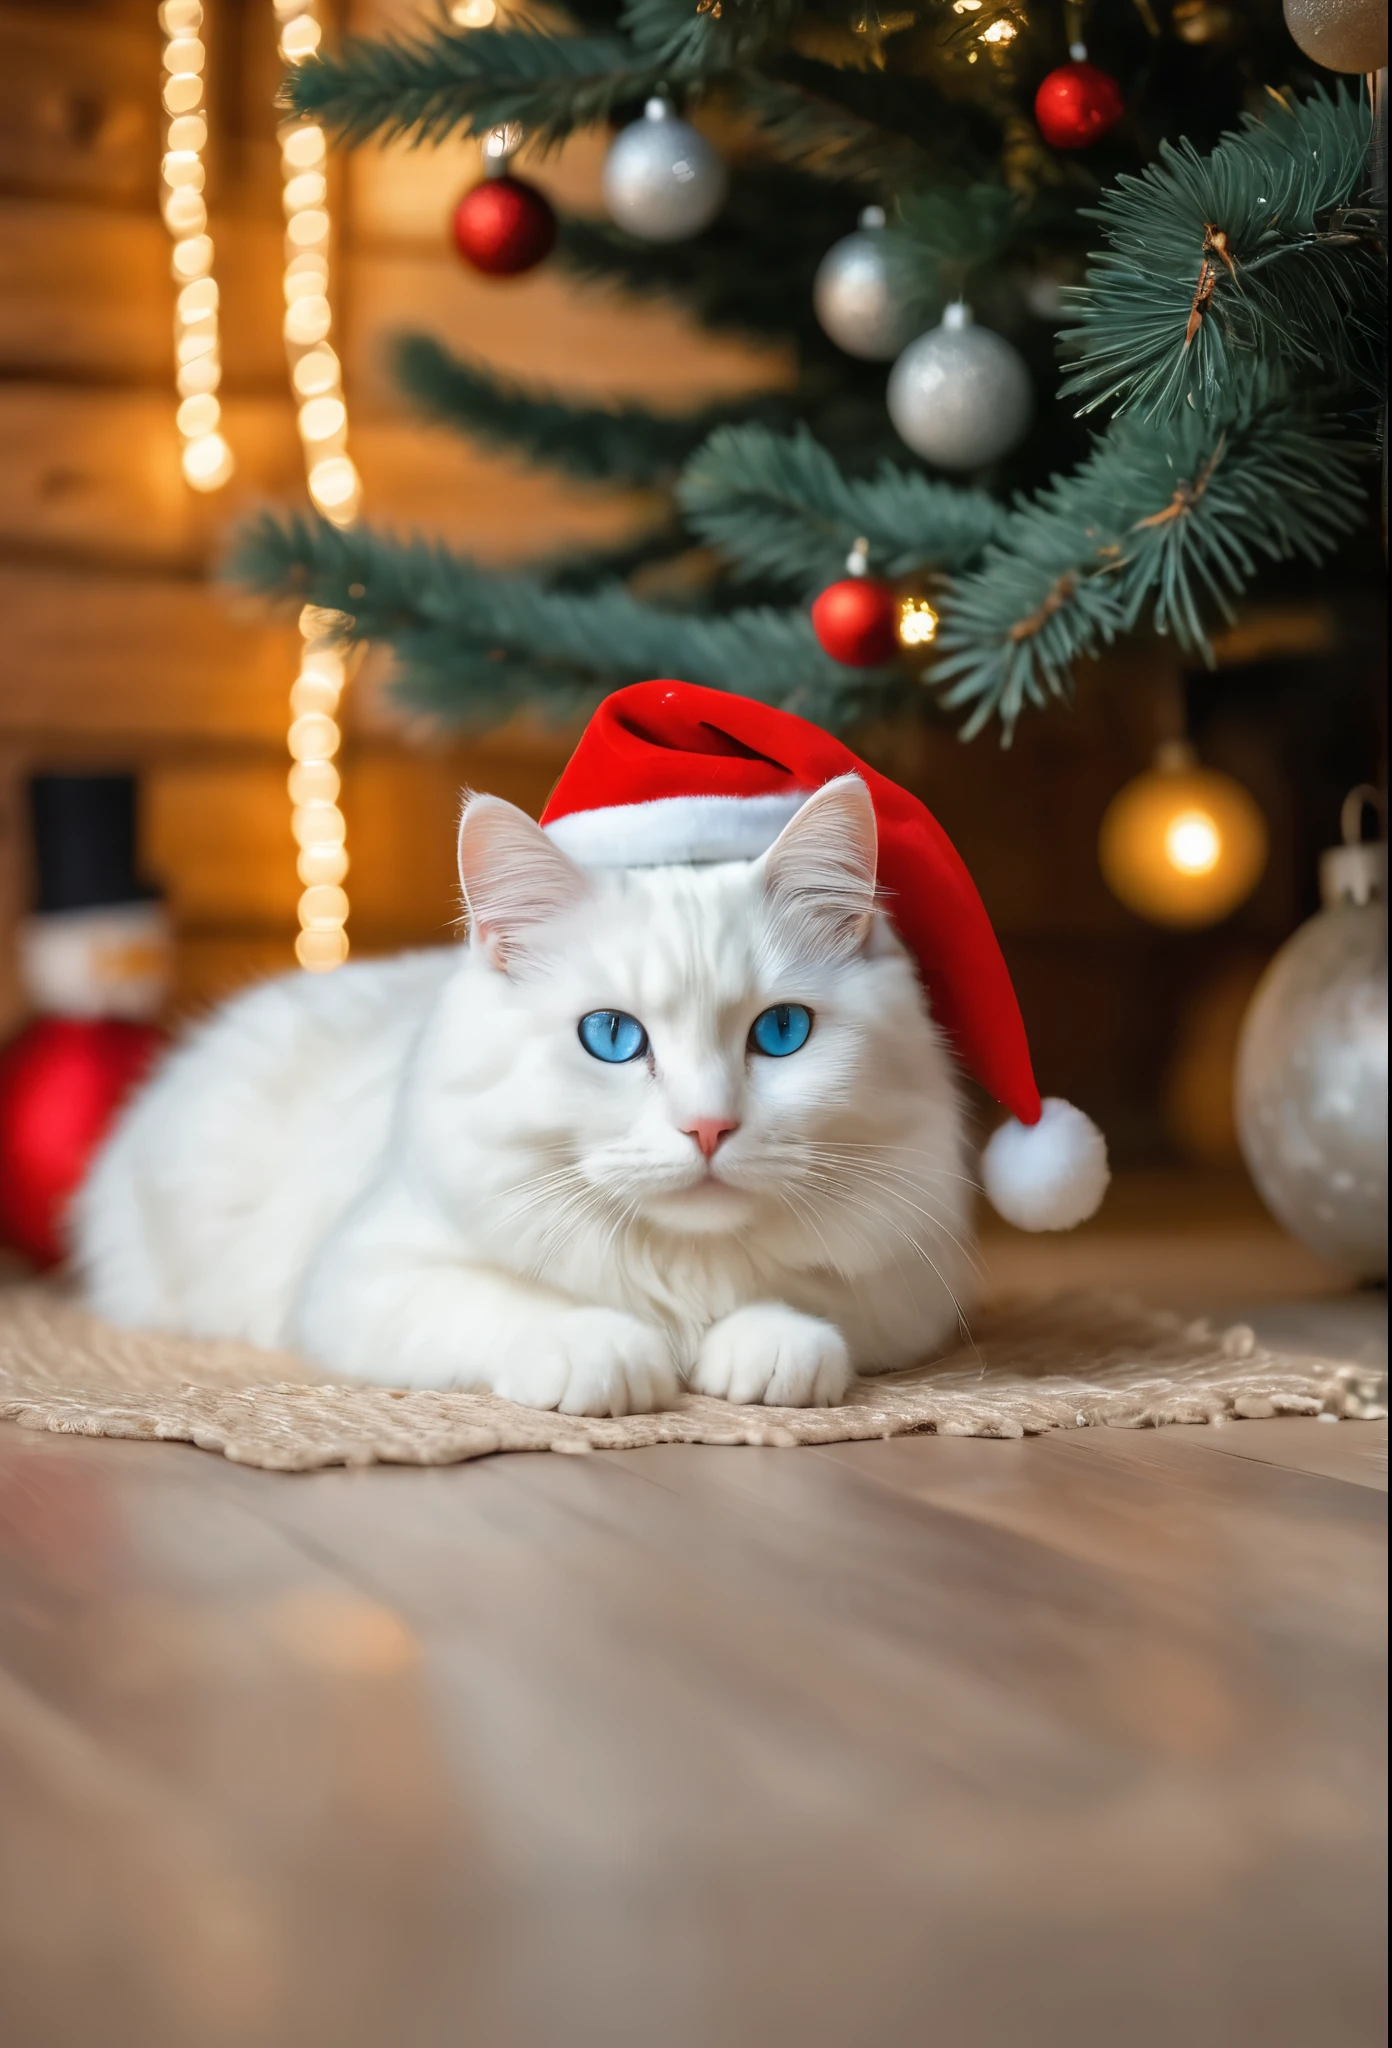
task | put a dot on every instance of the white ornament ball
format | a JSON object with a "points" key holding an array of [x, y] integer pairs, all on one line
{"points": [[855, 294], [662, 180], [1312, 1076], [960, 395], [1050, 1175]]}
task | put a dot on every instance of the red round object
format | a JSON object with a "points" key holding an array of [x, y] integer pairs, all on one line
{"points": [[854, 621], [61, 1083], [504, 227], [1076, 105]]}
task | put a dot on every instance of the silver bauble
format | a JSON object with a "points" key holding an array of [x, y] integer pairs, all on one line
{"points": [[855, 294], [662, 180], [960, 395], [1311, 1092]]}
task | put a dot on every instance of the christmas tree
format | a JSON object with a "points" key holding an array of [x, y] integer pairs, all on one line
{"points": [[1163, 247]]}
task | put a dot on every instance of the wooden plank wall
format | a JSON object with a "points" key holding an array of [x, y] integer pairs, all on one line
{"points": [[121, 647]]}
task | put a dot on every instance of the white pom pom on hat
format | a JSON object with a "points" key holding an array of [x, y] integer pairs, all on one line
{"points": [[1049, 1175]]}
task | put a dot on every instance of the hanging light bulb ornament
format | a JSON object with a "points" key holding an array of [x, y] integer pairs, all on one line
{"points": [[960, 395], [856, 618], [663, 182], [856, 295], [1077, 104], [503, 226], [1342, 35], [1311, 1092], [1182, 845]]}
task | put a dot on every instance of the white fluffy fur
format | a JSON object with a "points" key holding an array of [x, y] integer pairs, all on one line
{"points": [[413, 1172]]}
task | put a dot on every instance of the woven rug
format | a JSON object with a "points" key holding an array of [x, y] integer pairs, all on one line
{"points": [[1066, 1364]]}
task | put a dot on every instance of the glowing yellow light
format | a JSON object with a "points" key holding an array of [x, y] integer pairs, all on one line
{"points": [[323, 907], [303, 147], [181, 95], [197, 416], [193, 257], [322, 418], [918, 622], [1192, 843], [308, 319], [188, 131], [207, 462], [317, 824], [473, 13], [314, 737], [193, 378], [306, 188], [1000, 32], [318, 950], [966, 6], [315, 373], [334, 482], [300, 39], [313, 782], [311, 694], [205, 456], [308, 228], [1182, 845], [321, 863]]}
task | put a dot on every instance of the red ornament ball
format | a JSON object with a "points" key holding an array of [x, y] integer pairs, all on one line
{"points": [[854, 621], [504, 227], [1077, 105], [61, 1083]]}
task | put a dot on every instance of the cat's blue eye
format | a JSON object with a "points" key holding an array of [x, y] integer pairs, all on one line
{"points": [[783, 1029], [613, 1035]]}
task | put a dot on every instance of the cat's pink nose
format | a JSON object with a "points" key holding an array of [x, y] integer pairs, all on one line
{"points": [[708, 1132]]}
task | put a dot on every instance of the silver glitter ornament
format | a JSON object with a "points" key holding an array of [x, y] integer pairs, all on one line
{"points": [[1312, 1066], [662, 180], [960, 395], [855, 295]]}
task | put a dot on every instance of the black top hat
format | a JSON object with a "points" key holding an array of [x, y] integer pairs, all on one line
{"points": [[84, 841]]}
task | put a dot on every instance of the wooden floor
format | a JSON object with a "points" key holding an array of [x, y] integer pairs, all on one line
{"points": [[1069, 1743]]}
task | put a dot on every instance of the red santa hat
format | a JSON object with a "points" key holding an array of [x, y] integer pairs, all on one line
{"points": [[668, 773]]}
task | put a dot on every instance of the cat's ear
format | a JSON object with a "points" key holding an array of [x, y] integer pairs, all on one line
{"points": [[514, 878], [821, 868]]}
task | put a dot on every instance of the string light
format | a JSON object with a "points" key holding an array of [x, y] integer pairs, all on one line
{"points": [[1001, 31], [316, 378], [1182, 845], [207, 459], [316, 822], [473, 13], [315, 372], [917, 624]]}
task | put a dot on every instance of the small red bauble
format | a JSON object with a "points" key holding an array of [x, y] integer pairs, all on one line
{"points": [[61, 1083], [1076, 105], [854, 621], [504, 227]]}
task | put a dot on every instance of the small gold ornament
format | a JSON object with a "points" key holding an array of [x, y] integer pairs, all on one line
{"points": [[1342, 35], [1182, 845], [1199, 21]]}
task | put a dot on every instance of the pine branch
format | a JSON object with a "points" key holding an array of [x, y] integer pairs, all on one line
{"points": [[436, 84], [778, 505], [718, 39], [812, 132], [470, 643], [599, 443], [1159, 524], [1227, 275], [751, 270]]}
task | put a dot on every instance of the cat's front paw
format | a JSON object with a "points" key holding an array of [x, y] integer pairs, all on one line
{"points": [[592, 1361], [772, 1354]]}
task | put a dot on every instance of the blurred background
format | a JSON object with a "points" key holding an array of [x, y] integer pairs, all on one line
{"points": [[124, 651]]}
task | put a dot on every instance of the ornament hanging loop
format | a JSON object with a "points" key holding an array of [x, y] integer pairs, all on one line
{"points": [[1356, 872], [501, 144]]}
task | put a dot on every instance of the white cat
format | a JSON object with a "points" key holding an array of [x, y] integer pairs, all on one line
{"points": [[648, 1127]]}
